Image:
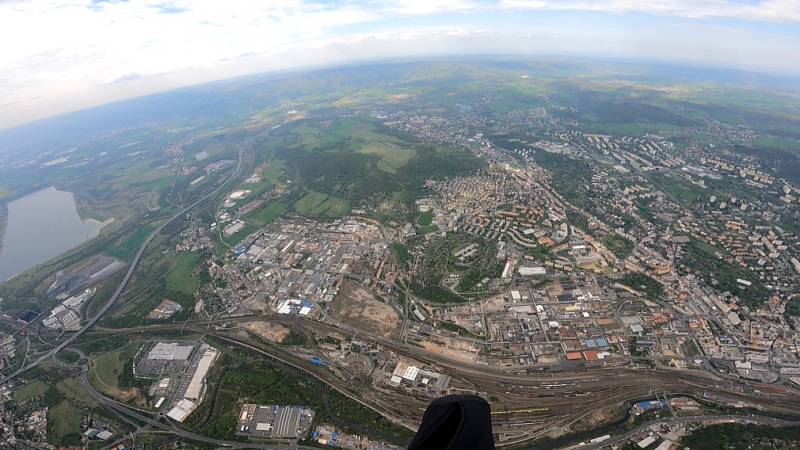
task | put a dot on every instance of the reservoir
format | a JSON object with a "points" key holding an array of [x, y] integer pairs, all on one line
{"points": [[40, 226]]}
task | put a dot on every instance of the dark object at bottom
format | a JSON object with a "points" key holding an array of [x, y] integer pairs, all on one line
{"points": [[455, 422]]}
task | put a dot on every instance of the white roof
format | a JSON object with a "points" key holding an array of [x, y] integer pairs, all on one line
{"points": [[646, 441], [182, 410], [195, 388], [411, 373], [170, 351], [527, 271], [664, 445], [105, 434]]}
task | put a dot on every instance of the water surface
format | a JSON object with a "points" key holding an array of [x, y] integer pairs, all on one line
{"points": [[40, 226]]}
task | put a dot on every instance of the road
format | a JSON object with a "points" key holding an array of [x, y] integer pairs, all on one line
{"points": [[339, 389], [688, 419], [121, 287], [569, 395], [169, 427]]}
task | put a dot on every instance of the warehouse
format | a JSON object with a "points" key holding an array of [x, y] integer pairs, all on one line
{"points": [[197, 383], [170, 351]]}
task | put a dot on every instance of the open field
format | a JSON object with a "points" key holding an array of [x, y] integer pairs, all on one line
{"points": [[30, 391], [392, 157], [72, 389], [126, 248], [106, 371], [64, 421], [272, 332], [268, 213], [359, 307], [425, 219], [319, 204], [180, 277]]}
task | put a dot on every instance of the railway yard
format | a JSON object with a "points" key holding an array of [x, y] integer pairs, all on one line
{"points": [[597, 290]]}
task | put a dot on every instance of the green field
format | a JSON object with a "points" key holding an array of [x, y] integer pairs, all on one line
{"points": [[268, 213], [425, 219], [355, 158], [107, 368], [392, 157], [30, 391], [72, 389], [64, 420], [428, 229], [179, 276], [319, 204], [130, 245], [272, 171]]}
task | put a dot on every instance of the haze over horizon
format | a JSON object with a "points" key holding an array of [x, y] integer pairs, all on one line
{"points": [[71, 55]]}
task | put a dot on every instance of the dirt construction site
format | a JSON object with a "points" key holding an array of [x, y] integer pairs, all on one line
{"points": [[357, 306]]}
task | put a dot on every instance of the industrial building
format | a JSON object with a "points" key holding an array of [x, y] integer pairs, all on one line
{"points": [[275, 422], [170, 351], [191, 389], [197, 382]]}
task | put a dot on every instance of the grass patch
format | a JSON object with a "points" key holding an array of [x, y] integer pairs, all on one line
{"points": [[180, 277], [72, 389], [319, 204], [107, 368], [644, 283], [683, 191], [268, 213], [392, 157], [63, 423], [429, 229], [237, 237], [130, 245], [30, 391], [425, 219]]}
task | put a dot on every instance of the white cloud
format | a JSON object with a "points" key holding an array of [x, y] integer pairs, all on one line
{"points": [[61, 55], [764, 10]]}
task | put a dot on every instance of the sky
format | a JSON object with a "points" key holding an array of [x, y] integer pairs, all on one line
{"points": [[65, 55]]}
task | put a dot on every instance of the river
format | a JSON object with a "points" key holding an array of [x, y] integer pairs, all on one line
{"points": [[41, 226]]}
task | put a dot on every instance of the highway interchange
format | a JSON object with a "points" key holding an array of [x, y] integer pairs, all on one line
{"points": [[562, 397]]}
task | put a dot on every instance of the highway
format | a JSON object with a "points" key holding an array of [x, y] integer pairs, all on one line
{"points": [[566, 396], [121, 287], [124, 410], [688, 419], [591, 381]]}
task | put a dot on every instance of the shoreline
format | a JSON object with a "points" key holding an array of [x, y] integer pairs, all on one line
{"points": [[3, 223]]}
